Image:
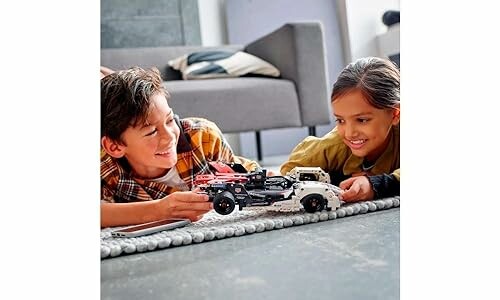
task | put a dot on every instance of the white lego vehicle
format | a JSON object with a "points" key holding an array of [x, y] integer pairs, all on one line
{"points": [[309, 174]]}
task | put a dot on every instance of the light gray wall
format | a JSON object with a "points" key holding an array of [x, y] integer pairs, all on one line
{"points": [[149, 23], [248, 20], [365, 23]]}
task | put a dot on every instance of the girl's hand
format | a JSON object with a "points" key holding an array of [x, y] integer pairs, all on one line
{"points": [[191, 205], [356, 189]]}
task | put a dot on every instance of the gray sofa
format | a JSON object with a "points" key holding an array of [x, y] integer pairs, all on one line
{"points": [[299, 98]]}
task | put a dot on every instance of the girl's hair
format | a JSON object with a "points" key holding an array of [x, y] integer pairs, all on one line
{"points": [[376, 78], [126, 98]]}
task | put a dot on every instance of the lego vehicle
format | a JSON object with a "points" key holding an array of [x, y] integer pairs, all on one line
{"points": [[309, 174], [261, 190], [307, 186], [222, 172], [312, 195]]}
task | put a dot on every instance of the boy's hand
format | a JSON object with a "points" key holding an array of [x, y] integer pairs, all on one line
{"points": [[190, 205], [356, 189]]}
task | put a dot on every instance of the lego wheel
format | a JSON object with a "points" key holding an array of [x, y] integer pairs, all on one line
{"points": [[313, 203], [224, 203]]}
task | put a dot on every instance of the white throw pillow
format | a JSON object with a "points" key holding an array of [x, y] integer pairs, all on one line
{"points": [[218, 64]]}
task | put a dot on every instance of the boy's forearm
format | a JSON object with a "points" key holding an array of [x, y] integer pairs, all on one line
{"points": [[120, 214]]}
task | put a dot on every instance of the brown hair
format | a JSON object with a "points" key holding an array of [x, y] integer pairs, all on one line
{"points": [[125, 99], [376, 78]]}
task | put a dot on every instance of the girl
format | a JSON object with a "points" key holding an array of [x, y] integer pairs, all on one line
{"points": [[361, 153]]}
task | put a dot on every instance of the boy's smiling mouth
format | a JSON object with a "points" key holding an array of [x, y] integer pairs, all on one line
{"points": [[163, 153], [166, 153]]}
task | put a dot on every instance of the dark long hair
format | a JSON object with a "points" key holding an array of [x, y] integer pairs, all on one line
{"points": [[376, 78]]}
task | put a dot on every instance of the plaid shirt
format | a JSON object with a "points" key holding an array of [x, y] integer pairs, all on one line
{"points": [[200, 141]]}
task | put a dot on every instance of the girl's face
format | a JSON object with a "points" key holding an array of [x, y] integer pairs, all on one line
{"points": [[364, 128]]}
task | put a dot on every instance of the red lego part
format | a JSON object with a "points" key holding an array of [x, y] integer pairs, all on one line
{"points": [[220, 167]]}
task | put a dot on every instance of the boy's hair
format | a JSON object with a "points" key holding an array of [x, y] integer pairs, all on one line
{"points": [[376, 78], [125, 99]]}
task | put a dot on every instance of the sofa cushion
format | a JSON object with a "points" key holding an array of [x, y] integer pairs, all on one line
{"points": [[216, 64], [248, 104]]}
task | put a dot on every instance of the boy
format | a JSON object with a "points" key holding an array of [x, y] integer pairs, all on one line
{"points": [[149, 156]]}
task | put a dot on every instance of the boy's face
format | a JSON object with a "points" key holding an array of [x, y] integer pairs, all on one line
{"points": [[151, 148], [363, 127]]}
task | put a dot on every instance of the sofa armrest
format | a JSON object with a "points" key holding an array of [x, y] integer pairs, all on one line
{"points": [[298, 51]]}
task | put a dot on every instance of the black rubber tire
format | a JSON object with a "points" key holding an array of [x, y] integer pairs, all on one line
{"points": [[224, 203], [313, 203]]}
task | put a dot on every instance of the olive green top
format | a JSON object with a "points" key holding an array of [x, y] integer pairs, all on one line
{"points": [[332, 155]]}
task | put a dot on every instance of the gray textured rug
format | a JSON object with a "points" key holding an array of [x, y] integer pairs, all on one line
{"points": [[250, 220]]}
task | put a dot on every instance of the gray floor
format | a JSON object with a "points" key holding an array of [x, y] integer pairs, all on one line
{"points": [[350, 258]]}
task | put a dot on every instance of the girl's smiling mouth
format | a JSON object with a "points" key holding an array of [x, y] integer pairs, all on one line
{"points": [[356, 144]]}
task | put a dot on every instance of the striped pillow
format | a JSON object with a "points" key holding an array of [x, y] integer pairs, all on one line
{"points": [[219, 64]]}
